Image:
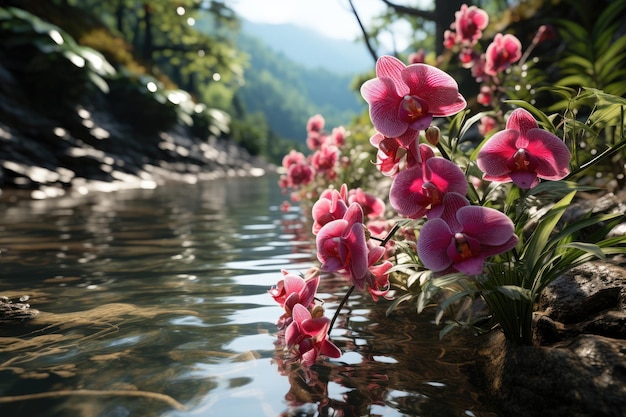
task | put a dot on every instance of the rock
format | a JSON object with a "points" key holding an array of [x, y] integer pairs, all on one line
{"points": [[577, 366], [583, 292], [585, 376]]}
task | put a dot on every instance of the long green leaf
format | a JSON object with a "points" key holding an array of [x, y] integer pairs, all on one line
{"points": [[538, 241], [590, 248], [515, 292], [609, 15]]}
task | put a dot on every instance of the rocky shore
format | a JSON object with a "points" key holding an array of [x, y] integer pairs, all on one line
{"points": [[51, 150], [577, 365]]}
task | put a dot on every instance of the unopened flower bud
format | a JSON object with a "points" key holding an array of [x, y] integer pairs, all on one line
{"points": [[432, 135], [317, 312]]}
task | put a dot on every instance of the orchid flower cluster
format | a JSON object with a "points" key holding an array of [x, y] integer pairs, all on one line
{"points": [[458, 236], [343, 246], [322, 165], [453, 218]]}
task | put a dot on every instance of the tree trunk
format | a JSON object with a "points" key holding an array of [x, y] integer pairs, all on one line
{"points": [[148, 42], [444, 16]]}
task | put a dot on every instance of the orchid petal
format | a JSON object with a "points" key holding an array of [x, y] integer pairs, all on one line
{"points": [[552, 154], [436, 87], [315, 327], [432, 245], [493, 156], [487, 225], [471, 266], [406, 195], [300, 314], [329, 349], [524, 179], [391, 67], [381, 95]]}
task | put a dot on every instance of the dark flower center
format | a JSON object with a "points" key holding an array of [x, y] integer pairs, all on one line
{"points": [[412, 108]]}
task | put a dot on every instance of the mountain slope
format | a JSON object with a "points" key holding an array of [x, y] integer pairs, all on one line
{"points": [[288, 93], [310, 49]]}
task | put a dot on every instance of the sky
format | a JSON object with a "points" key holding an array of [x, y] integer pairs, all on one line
{"points": [[333, 18]]}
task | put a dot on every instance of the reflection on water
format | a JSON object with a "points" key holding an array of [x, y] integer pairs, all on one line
{"points": [[154, 302]]}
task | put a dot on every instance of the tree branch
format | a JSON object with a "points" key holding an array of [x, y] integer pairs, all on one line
{"points": [[366, 36], [411, 11]]}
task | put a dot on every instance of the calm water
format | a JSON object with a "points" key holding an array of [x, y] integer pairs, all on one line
{"points": [[156, 300]]}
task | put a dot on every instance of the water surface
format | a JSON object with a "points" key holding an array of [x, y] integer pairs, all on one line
{"points": [[154, 303]]}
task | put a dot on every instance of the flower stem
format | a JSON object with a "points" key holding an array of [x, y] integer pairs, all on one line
{"points": [[383, 242], [343, 301]]}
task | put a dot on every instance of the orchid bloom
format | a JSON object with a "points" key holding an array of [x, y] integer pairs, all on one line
{"points": [[469, 23], [408, 97], [338, 136], [501, 53], [315, 123], [325, 158], [308, 335], [372, 206], [523, 153], [331, 205], [294, 289], [392, 151], [293, 157], [341, 246], [478, 233], [299, 174], [436, 190], [378, 275]]}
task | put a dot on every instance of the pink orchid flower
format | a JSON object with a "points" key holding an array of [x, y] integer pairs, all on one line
{"points": [[485, 96], [325, 158], [436, 190], [486, 125], [341, 246], [315, 123], [293, 157], [378, 274], [331, 205], [523, 153], [372, 206], [469, 23], [294, 289], [501, 53], [449, 39], [338, 136], [393, 151], [408, 97], [308, 336], [479, 232], [299, 174]]}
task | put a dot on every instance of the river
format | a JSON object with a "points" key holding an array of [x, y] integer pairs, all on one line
{"points": [[154, 303]]}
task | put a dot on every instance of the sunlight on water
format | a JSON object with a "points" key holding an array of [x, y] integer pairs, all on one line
{"points": [[154, 303]]}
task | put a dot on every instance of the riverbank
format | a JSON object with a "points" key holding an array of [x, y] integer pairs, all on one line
{"points": [[71, 119]]}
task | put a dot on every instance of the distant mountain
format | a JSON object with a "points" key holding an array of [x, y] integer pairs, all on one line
{"points": [[312, 49], [288, 93]]}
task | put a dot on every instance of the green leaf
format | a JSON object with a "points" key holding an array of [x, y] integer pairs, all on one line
{"points": [[536, 245], [577, 80], [515, 292], [590, 248], [397, 301], [577, 60], [617, 46], [448, 328], [609, 15]]}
